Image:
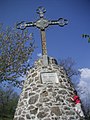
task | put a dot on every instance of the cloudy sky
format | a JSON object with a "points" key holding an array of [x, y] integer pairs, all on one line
{"points": [[62, 42], [83, 86]]}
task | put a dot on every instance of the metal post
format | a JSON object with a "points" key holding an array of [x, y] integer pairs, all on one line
{"points": [[43, 40]]}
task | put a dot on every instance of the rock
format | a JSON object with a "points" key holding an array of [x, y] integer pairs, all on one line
{"points": [[28, 116], [21, 118], [44, 93], [41, 114], [56, 111], [34, 111], [33, 99]]}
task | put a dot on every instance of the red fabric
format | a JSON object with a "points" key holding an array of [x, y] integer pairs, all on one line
{"points": [[76, 99]]}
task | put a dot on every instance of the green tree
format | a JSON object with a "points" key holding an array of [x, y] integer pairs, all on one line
{"points": [[16, 48], [68, 65], [8, 103], [86, 36]]}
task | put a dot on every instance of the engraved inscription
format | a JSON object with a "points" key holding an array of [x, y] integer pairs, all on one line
{"points": [[49, 78]]}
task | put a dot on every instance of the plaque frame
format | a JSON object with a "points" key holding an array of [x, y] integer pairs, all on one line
{"points": [[49, 77]]}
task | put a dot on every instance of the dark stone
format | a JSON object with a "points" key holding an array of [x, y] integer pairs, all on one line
{"points": [[32, 93], [63, 86], [44, 93], [73, 104], [28, 116], [64, 118], [41, 114], [59, 99], [69, 99], [33, 99], [34, 111], [62, 92], [50, 86], [56, 118], [38, 81], [29, 76], [31, 107], [66, 108], [24, 112], [36, 78], [25, 95], [67, 84], [16, 118], [47, 119], [32, 117], [62, 72], [30, 81], [62, 96], [27, 89], [56, 111], [56, 89], [16, 112], [64, 80], [54, 94], [23, 115], [35, 88], [34, 74], [32, 84], [62, 76], [71, 93], [21, 118], [39, 85], [50, 68], [48, 104], [60, 80], [55, 67], [39, 105], [70, 88], [50, 90], [68, 112], [64, 103], [21, 104], [19, 112], [32, 71], [71, 118], [45, 99], [46, 109]]}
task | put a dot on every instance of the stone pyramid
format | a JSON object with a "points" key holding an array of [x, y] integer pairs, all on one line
{"points": [[46, 94]]}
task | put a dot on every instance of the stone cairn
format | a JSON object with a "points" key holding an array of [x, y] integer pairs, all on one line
{"points": [[46, 94]]}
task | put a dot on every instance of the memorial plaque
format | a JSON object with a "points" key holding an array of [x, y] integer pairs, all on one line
{"points": [[49, 77]]}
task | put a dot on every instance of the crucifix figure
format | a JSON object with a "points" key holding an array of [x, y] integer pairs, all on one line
{"points": [[42, 24]]}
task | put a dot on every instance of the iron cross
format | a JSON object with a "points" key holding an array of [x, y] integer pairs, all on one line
{"points": [[42, 24]]}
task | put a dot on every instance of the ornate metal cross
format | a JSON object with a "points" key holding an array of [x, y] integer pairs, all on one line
{"points": [[42, 23]]}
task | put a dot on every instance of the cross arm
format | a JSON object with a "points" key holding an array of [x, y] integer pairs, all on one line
{"points": [[42, 23], [61, 22], [22, 25]]}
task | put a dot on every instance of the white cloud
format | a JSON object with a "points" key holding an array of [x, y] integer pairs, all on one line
{"points": [[39, 54], [85, 73], [84, 86], [84, 79]]}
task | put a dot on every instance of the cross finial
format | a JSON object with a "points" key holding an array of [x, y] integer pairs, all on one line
{"points": [[41, 10]]}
